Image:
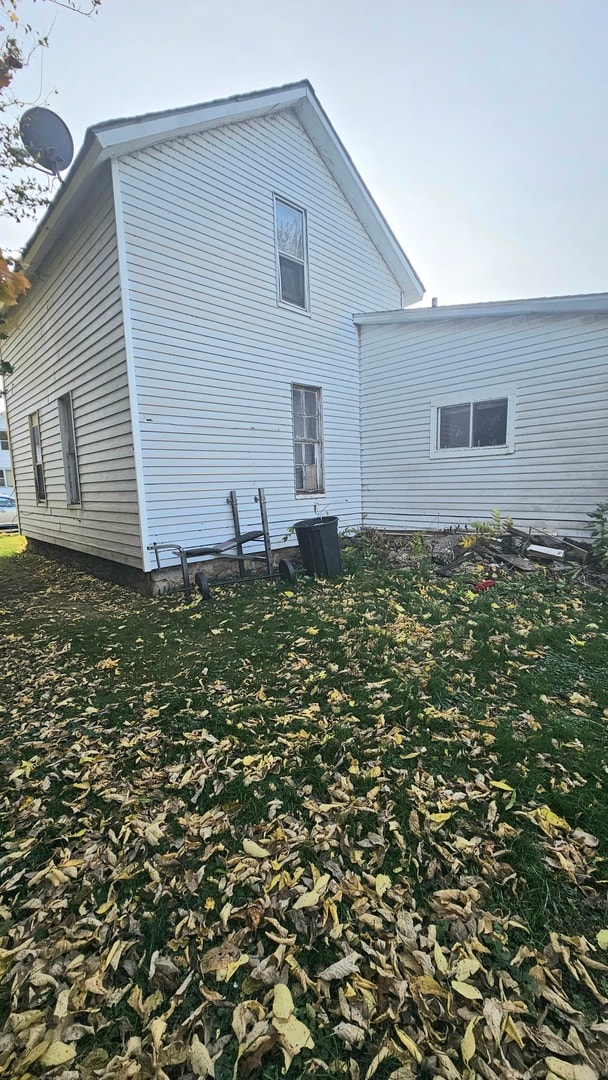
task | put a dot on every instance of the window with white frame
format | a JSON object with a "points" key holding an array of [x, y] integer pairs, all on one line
{"points": [[6, 478], [38, 463], [307, 439], [68, 446], [479, 424], [4, 440], [291, 252]]}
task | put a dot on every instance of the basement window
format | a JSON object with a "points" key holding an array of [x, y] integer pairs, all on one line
{"points": [[307, 439], [291, 253]]}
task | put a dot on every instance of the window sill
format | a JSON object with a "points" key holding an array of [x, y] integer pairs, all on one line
{"points": [[294, 307], [309, 494], [471, 452]]}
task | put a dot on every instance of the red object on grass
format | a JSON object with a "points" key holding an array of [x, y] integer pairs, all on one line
{"points": [[481, 586]]}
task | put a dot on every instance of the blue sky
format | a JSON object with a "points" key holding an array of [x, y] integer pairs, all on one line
{"points": [[478, 125]]}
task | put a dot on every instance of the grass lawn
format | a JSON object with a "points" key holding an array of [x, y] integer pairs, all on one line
{"points": [[353, 828]]}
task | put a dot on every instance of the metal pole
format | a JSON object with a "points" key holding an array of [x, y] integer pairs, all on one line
{"points": [[266, 531], [234, 506]]}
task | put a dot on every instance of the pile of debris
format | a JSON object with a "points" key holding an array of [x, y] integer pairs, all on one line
{"points": [[523, 550]]}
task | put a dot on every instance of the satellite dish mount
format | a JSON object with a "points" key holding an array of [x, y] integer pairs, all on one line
{"points": [[47, 139]]}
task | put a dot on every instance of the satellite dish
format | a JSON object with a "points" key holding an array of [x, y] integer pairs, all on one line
{"points": [[47, 139]]}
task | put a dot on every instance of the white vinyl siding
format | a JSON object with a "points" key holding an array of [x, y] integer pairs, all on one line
{"points": [[554, 370], [67, 335], [215, 356]]}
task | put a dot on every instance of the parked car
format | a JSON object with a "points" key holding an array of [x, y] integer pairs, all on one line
{"points": [[8, 513]]}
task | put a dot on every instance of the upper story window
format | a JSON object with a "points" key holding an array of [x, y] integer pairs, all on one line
{"points": [[479, 425], [292, 255], [68, 446], [3, 440], [37, 457]]}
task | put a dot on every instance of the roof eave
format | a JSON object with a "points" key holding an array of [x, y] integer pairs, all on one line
{"points": [[579, 304]]}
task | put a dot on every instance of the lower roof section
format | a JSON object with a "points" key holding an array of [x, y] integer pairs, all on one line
{"points": [[580, 304]]}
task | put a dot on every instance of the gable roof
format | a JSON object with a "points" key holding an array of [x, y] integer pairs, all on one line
{"points": [[115, 138]]}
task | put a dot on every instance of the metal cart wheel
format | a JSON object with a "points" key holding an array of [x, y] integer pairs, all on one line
{"points": [[202, 585], [287, 571]]}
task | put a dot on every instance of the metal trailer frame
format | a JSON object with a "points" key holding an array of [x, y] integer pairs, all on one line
{"points": [[225, 550]]}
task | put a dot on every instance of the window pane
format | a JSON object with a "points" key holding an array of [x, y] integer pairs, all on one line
{"points": [[490, 423], [311, 427], [454, 426], [299, 478], [299, 426], [290, 230], [309, 453], [293, 290], [298, 453], [311, 402], [3, 440]]}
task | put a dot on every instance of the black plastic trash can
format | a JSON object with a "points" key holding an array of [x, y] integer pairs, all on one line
{"points": [[319, 546]]}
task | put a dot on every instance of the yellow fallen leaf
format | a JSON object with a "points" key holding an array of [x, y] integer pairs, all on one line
{"points": [[501, 785], [409, 1044], [200, 1060], [306, 900], [467, 1045], [251, 848], [312, 630], [440, 961], [466, 990], [602, 939], [58, 1053], [383, 884], [282, 1003], [566, 1070], [465, 968], [157, 1030]]}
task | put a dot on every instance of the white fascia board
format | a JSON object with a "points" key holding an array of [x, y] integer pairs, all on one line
{"points": [[583, 304], [67, 195], [319, 129], [125, 137]]}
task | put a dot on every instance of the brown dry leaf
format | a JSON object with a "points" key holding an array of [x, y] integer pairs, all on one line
{"points": [[350, 1034], [349, 965]]}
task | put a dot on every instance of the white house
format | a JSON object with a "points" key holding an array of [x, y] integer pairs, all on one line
{"points": [[477, 406], [6, 470], [190, 331]]}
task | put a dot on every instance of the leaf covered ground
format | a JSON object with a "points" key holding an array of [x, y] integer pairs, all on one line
{"points": [[350, 829]]}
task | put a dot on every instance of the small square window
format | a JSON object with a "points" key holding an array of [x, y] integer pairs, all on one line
{"points": [[292, 262]]}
